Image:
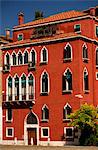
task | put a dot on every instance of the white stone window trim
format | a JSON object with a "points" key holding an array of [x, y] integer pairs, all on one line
{"points": [[41, 55], [7, 132], [96, 75], [30, 58], [75, 28], [72, 132], [41, 92], [85, 70], [44, 119], [42, 136], [26, 50], [17, 57], [22, 36], [84, 44], [7, 87], [66, 111], [7, 117], [5, 62], [68, 44], [12, 58]]}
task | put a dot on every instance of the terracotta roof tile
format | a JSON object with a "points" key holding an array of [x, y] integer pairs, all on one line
{"points": [[56, 17], [27, 41]]}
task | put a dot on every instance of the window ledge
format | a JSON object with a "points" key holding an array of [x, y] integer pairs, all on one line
{"points": [[45, 120], [78, 32], [66, 120], [97, 66], [66, 91], [85, 60], [86, 91], [44, 93], [44, 63], [8, 121], [67, 59]]}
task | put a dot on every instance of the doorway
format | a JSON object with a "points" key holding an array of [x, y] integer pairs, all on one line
{"points": [[32, 136]]}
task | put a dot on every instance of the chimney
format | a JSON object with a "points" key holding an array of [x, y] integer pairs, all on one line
{"points": [[20, 18], [7, 32], [92, 11]]}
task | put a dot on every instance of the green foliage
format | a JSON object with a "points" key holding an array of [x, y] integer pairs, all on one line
{"points": [[86, 120], [38, 15]]}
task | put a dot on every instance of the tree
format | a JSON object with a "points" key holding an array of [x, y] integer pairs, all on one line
{"points": [[85, 119], [38, 15]]}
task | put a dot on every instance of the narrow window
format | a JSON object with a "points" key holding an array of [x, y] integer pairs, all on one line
{"points": [[67, 53], [45, 83], [97, 57], [14, 58], [85, 52], [44, 55], [86, 85], [16, 88], [97, 31], [9, 89], [20, 59], [9, 114], [67, 81], [7, 59], [26, 57], [66, 111], [77, 28], [33, 57], [23, 86], [31, 87], [45, 113]]}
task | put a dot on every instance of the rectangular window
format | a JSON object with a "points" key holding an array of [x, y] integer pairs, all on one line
{"points": [[45, 132], [68, 131], [96, 75], [77, 28], [9, 115], [97, 31], [9, 132], [20, 37]]}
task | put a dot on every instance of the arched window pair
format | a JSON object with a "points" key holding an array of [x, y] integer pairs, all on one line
{"points": [[67, 53], [20, 88], [67, 111], [45, 113], [67, 81]]}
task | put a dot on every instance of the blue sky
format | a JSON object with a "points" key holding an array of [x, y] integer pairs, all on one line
{"points": [[10, 8]]}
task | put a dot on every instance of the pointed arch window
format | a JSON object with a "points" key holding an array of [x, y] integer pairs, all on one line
{"points": [[97, 57], [85, 53], [25, 57], [67, 53], [44, 56], [23, 86], [66, 111], [86, 81], [14, 59], [67, 81], [45, 113], [16, 88], [45, 83], [7, 59], [20, 59], [9, 89], [31, 87], [33, 57]]}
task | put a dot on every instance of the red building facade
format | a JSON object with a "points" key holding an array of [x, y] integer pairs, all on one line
{"points": [[50, 70]]}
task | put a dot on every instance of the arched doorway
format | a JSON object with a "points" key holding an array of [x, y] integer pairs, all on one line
{"points": [[31, 129]]}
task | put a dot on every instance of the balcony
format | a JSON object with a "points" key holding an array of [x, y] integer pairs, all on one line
{"points": [[18, 101], [31, 66], [6, 68]]}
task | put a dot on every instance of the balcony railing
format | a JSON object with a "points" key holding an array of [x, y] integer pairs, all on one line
{"points": [[18, 101], [6, 68]]}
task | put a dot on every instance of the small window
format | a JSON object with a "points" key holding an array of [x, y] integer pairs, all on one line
{"points": [[44, 132], [45, 113], [14, 59], [69, 132], [44, 83], [96, 75], [77, 28], [97, 58], [20, 37], [9, 114], [67, 53], [66, 111], [25, 57], [85, 53], [97, 31], [9, 132], [86, 81], [44, 56]]}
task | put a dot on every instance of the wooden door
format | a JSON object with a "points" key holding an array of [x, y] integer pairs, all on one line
{"points": [[32, 135]]}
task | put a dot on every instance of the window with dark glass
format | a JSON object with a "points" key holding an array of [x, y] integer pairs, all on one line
{"points": [[45, 113], [86, 85], [31, 87], [20, 59], [16, 88], [66, 111], [9, 114], [7, 59], [44, 55], [10, 132], [45, 132], [77, 28], [69, 132], [67, 53], [45, 83], [9, 88], [14, 58], [33, 58], [23, 86], [97, 31], [26, 57], [67, 81], [20, 37], [85, 52], [97, 57]]}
